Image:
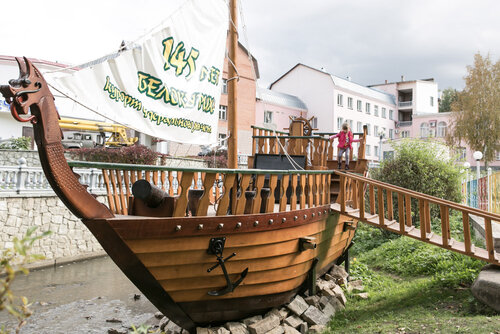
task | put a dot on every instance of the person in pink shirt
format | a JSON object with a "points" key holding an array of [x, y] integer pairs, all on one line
{"points": [[346, 139]]}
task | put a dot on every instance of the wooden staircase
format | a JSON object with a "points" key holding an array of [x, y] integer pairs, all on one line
{"points": [[383, 200]]}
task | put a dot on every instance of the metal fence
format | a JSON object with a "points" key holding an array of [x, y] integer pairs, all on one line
{"points": [[483, 193]]}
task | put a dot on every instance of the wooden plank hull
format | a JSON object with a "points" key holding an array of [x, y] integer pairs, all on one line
{"points": [[167, 259]]}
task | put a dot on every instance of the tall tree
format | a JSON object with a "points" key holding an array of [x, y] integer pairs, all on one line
{"points": [[448, 96], [476, 119]]}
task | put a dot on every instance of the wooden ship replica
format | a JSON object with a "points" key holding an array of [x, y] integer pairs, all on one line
{"points": [[205, 245], [214, 245]]}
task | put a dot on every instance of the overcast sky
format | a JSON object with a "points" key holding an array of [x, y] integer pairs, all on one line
{"points": [[368, 40]]}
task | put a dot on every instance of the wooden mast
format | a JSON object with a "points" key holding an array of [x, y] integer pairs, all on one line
{"points": [[232, 144]]}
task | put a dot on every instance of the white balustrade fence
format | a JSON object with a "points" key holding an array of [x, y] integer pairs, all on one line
{"points": [[24, 180]]}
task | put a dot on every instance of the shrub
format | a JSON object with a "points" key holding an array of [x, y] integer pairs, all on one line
{"points": [[21, 143], [136, 154], [219, 161], [12, 261], [424, 167]]}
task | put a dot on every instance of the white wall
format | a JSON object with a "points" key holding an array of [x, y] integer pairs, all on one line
{"points": [[424, 90], [313, 87]]}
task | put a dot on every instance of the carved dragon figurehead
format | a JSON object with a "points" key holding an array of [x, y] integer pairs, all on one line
{"points": [[30, 95]]}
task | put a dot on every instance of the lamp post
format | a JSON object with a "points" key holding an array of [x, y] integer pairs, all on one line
{"points": [[381, 136], [478, 156]]}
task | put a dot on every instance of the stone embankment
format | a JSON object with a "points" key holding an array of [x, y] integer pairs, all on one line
{"points": [[304, 314]]}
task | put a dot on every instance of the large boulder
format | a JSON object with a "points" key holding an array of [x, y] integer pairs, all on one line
{"points": [[486, 287]]}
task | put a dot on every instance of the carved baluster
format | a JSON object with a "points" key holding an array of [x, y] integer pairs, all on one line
{"points": [[208, 183], [259, 183], [182, 200], [302, 188], [241, 201], [293, 193], [284, 187], [109, 190]]}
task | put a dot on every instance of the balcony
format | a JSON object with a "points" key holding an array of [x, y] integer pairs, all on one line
{"points": [[405, 104], [403, 124]]}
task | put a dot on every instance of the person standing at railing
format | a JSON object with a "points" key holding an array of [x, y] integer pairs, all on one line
{"points": [[346, 138]]}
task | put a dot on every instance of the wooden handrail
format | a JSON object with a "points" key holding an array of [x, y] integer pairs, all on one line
{"points": [[415, 194], [383, 217]]}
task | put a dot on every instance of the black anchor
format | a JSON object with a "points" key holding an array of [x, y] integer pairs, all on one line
{"points": [[216, 247]]}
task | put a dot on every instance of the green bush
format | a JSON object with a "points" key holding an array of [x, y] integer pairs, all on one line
{"points": [[368, 238], [21, 143], [136, 154], [409, 257], [12, 261], [424, 167]]}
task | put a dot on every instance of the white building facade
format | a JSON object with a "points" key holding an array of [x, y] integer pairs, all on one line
{"points": [[333, 101]]}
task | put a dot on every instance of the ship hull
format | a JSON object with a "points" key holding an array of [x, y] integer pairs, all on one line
{"points": [[167, 259]]}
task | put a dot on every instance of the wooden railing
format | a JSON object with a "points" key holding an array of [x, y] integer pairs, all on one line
{"points": [[296, 189], [383, 201]]}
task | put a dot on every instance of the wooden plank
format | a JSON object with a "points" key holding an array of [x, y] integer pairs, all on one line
{"points": [[224, 201], [273, 181], [208, 184], [445, 225], [390, 209], [467, 237], [147, 174], [170, 183], [408, 210], [327, 188], [303, 191], [381, 214], [423, 232], [361, 194], [401, 212], [259, 183], [490, 248], [123, 201], [127, 184], [182, 200], [342, 193], [317, 190], [284, 186], [293, 195], [372, 199], [155, 177], [163, 178], [109, 191], [114, 192], [310, 190], [241, 201], [427, 212]]}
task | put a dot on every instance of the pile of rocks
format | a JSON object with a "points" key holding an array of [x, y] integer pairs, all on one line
{"points": [[304, 314]]}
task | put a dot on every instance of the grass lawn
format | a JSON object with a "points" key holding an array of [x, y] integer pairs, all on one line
{"points": [[414, 305], [413, 288]]}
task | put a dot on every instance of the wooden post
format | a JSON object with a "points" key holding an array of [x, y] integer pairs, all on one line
{"points": [[390, 209], [445, 225], [401, 212], [232, 91], [380, 196], [342, 193], [465, 221], [361, 194], [372, 199], [489, 238], [421, 210], [408, 210]]}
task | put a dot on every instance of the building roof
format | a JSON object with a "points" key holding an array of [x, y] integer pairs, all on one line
{"points": [[347, 84], [281, 99], [367, 91]]}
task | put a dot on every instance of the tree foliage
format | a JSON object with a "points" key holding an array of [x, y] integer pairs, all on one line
{"points": [[476, 119], [21, 143], [136, 154], [448, 97]]}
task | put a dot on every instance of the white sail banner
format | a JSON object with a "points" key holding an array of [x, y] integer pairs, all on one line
{"points": [[168, 87]]}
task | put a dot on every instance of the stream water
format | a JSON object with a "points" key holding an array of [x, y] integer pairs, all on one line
{"points": [[91, 296]]}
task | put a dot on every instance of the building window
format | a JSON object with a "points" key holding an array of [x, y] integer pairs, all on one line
{"points": [[359, 105], [383, 113], [224, 86], [349, 102], [375, 110], [340, 100], [223, 112], [368, 150], [432, 101], [360, 127], [405, 134], [383, 131], [340, 121], [375, 151], [391, 133], [367, 107], [424, 130], [391, 114], [350, 121], [314, 122], [268, 117], [375, 130], [222, 139], [498, 155], [368, 129], [441, 131]]}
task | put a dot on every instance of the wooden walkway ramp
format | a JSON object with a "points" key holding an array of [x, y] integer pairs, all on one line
{"points": [[379, 204]]}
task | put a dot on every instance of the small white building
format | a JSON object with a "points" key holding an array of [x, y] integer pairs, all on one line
{"points": [[333, 100]]}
